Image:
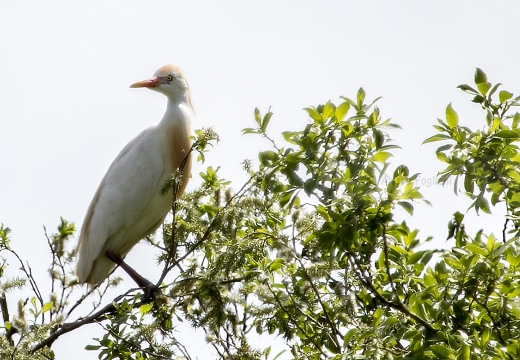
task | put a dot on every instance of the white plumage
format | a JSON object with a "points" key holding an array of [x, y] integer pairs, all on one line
{"points": [[128, 205]]}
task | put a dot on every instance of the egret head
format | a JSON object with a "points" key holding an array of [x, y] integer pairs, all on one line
{"points": [[170, 81]]}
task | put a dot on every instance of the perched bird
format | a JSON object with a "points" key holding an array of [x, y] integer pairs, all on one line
{"points": [[128, 204]]}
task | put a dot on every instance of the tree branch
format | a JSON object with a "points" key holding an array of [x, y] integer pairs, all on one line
{"points": [[95, 317]]}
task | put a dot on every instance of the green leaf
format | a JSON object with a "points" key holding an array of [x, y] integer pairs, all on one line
{"points": [[377, 317], [328, 110], [480, 77], [47, 306], [258, 118], [481, 203], [249, 131], [441, 351], [407, 206], [507, 134], [516, 120], [268, 157], [291, 136], [400, 250], [379, 138], [483, 88], [494, 124], [513, 260], [310, 185], [360, 97], [391, 321], [382, 156], [314, 114], [479, 99], [286, 197], [106, 342], [469, 184], [444, 148], [452, 119], [467, 88], [145, 308], [413, 258], [265, 121], [494, 89], [349, 335], [276, 264], [486, 334], [92, 347], [491, 242], [438, 137], [342, 110], [464, 352], [442, 157], [476, 249]]}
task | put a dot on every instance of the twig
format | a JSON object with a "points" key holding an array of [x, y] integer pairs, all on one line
{"points": [[175, 189], [86, 295], [307, 316], [96, 317], [318, 296], [56, 260], [152, 354], [396, 306], [28, 273], [296, 323], [504, 230]]}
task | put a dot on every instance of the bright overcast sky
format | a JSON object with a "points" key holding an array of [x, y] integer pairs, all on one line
{"points": [[66, 108]]}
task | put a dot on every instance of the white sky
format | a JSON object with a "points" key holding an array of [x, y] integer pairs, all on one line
{"points": [[66, 108]]}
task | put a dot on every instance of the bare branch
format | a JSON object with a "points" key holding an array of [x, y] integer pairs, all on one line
{"points": [[98, 316]]}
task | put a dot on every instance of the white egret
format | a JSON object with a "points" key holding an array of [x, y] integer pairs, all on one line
{"points": [[128, 204]]}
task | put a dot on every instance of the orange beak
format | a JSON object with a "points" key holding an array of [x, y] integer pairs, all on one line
{"points": [[150, 83]]}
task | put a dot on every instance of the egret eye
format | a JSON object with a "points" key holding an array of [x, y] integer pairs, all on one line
{"points": [[169, 78]]}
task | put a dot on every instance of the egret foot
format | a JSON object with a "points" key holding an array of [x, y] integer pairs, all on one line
{"points": [[145, 284]]}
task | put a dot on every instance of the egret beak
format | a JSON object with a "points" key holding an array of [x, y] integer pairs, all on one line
{"points": [[150, 83]]}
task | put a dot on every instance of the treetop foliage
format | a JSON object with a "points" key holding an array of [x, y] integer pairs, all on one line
{"points": [[309, 250]]}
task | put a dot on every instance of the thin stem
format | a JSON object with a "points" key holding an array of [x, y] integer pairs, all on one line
{"points": [[399, 306], [98, 316], [318, 296], [294, 321]]}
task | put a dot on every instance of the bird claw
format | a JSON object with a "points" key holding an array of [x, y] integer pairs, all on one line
{"points": [[149, 291]]}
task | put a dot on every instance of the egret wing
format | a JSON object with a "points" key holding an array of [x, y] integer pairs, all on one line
{"points": [[129, 189]]}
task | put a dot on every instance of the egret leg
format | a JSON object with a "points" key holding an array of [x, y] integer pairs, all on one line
{"points": [[141, 281]]}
